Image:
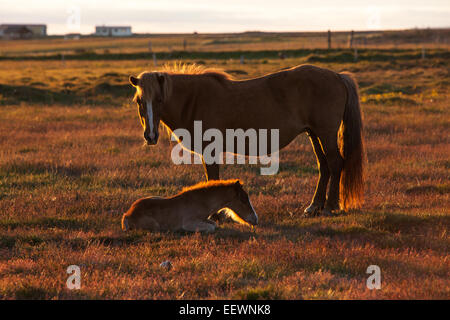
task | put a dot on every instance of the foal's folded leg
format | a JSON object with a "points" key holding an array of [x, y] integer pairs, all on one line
{"points": [[219, 216], [198, 226], [211, 222]]}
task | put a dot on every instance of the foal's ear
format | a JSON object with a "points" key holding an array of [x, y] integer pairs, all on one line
{"points": [[134, 81], [240, 191]]}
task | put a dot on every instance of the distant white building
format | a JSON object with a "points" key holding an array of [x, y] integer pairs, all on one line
{"points": [[111, 31], [22, 31]]}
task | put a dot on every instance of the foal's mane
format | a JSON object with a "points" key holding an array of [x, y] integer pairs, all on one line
{"points": [[210, 184]]}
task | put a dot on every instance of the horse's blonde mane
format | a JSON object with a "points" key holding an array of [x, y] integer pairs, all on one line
{"points": [[150, 83], [179, 67]]}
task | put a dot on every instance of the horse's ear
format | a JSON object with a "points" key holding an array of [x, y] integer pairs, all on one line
{"points": [[161, 79], [238, 184], [134, 81], [164, 84]]}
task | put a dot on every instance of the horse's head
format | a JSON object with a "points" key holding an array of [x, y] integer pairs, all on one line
{"points": [[152, 90], [241, 205]]}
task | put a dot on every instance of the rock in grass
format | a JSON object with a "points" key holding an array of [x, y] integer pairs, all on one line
{"points": [[166, 265]]}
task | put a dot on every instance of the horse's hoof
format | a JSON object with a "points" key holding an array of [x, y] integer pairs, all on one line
{"points": [[312, 210], [211, 222], [327, 213]]}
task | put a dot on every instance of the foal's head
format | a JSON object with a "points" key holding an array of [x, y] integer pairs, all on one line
{"points": [[152, 91], [241, 205]]}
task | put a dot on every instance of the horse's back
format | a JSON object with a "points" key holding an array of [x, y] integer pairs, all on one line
{"points": [[317, 96], [153, 213], [292, 100]]}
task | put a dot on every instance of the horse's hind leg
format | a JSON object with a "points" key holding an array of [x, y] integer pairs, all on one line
{"points": [[335, 165], [318, 201]]}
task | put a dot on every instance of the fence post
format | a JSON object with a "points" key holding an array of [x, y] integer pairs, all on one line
{"points": [[355, 54], [329, 39], [350, 42], [242, 59], [155, 62]]}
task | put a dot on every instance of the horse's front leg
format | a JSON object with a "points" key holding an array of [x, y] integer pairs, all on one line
{"points": [[211, 171]]}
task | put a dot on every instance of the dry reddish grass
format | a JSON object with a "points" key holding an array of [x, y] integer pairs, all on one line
{"points": [[67, 173]]}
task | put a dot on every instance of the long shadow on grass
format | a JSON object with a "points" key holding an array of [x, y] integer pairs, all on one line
{"points": [[68, 224], [14, 94], [383, 230]]}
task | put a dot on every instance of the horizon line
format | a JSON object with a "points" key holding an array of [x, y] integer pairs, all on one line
{"points": [[248, 31]]}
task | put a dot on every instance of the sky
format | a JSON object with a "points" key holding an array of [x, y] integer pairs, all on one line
{"points": [[187, 16]]}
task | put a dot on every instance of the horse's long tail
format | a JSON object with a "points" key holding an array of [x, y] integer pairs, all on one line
{"points": [[352, 148]]}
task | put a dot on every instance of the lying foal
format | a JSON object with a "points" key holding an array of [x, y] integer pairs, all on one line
{"points": [[190, 209]]}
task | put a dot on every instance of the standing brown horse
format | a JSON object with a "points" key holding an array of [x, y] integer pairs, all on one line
{"points": [[320, 102]]}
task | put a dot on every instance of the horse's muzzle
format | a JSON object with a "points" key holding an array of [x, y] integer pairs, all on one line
{"points": [[151, 140], [254, 220]]}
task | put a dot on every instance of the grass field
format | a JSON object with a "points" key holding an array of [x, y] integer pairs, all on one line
{"points": [[72, 161]]}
